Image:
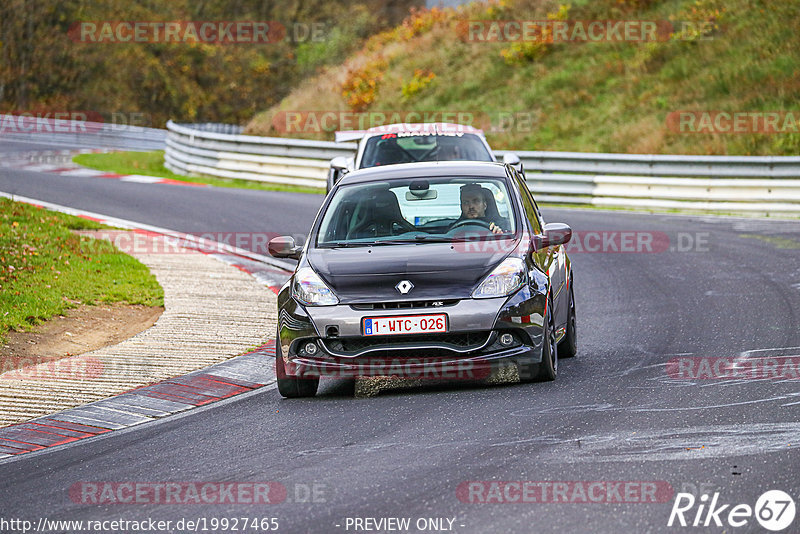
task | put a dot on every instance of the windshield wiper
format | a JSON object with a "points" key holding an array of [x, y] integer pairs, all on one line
{"points": [[463, 238], [415, 239], [346, 244], [433, 238], [408, 240]]}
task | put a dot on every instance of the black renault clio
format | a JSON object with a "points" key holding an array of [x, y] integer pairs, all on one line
{"points": [[431, 265]]}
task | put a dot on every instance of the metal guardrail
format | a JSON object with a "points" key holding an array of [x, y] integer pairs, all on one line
{"points": [[760, 184], [80, 133], [287, 161]]}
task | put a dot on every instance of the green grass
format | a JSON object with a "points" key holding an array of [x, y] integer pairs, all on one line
{"points": [[45, 268], [594, 97], [152, 164], [776, 241]]}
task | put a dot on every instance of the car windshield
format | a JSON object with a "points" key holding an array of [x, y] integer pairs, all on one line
{"points": [[418, 210], [391, 148]]}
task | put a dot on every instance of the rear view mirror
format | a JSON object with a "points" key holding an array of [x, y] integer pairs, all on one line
{"points": [[430, 194], [554, 234], [420, 190], [284, 247]]}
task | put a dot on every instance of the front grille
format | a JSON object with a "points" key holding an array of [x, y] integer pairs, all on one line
{"points": [[447, 343], [405, 305]]}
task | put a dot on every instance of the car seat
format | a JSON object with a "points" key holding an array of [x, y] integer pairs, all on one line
{"points": [[492, 212], [389, 152], [378, 215]]}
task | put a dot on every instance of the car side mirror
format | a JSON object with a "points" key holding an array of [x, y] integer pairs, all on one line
{"points": [[509, 158], [340, 164], [284, 247], [553, 234]]}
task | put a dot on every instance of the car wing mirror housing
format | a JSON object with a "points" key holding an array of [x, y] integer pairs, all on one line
{"points": [[339, 166], [340, 163], [553, 234], [284, 247], [509, 158]]}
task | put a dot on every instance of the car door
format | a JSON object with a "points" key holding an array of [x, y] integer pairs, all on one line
{"points": [[553, 259]]}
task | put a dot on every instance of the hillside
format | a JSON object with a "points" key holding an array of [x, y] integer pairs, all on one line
{"points": [[92, 58], [733, 56]]}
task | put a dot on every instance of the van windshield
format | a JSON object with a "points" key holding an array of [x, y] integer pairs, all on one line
{"points": [[418, 210]]}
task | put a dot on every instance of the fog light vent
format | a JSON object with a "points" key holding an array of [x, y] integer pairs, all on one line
{"points": [[506, 339], [310, 348]]}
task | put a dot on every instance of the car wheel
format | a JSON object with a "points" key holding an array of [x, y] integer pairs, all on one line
{"points": [[569, 345], [548, 368], [292, 387]]}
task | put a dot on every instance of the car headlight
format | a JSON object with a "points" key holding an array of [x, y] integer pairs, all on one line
{"points": [[310, 290], [504, 280]]}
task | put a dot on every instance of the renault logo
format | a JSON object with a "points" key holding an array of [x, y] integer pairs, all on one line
{"points": [[404, 287]]}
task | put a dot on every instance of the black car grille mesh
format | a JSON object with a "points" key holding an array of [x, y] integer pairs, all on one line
{"points": [[460, 341]]}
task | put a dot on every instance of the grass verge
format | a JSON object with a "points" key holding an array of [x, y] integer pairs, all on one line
{"points": [[45, 268], [152, 164]]}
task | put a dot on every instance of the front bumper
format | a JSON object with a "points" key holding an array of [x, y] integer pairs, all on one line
{"points": [[471, 348]]}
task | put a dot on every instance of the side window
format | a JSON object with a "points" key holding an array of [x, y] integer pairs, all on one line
{"points": [[531, 209]]}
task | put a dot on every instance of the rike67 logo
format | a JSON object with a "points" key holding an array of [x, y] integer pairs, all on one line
{"points": [[774, 510]]}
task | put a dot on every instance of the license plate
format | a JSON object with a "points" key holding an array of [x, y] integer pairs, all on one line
{"points": [[404, 324]]}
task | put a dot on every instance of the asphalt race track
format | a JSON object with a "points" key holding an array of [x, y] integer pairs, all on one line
{"points": [[623, 412]]}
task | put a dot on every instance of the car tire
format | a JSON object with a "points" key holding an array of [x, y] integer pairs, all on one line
{"points": [[547, 369], [568, 347], [292, 387]]}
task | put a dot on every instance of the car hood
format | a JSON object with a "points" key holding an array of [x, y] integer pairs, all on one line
{"points": [[438, 271]]}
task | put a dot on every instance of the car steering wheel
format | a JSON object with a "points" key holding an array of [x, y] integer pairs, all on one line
{"points": [[465, 222]]}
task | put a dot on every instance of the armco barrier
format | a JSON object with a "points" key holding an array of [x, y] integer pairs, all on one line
{"points": [[288, 161], [80, 134], [756, 184]]}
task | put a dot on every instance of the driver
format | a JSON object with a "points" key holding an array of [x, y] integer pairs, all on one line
{"points": [[473, 206]]}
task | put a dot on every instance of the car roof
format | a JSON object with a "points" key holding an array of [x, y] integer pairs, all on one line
{"points": [[427, 168]]}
